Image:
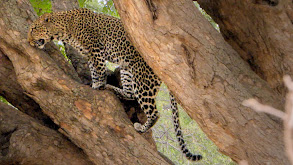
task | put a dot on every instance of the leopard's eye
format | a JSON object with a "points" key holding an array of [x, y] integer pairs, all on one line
{"points": [[40, 42], [46, 19]]}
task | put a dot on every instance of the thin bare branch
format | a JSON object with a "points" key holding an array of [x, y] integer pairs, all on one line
{"points": [[286, 116], [254, 104]]}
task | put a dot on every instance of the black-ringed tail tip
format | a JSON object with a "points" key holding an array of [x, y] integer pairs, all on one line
{"points": [[191, 157]]}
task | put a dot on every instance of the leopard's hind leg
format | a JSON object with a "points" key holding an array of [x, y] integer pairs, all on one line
{"points": [[146, 95]]}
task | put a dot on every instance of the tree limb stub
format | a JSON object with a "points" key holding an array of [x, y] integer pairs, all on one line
{"points": [[63, 5]]}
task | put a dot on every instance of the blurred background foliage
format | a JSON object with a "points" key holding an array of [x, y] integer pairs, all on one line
{"points": [[41, 6], [163, 131], [2, 99]]}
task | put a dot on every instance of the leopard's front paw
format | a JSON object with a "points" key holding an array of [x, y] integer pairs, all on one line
{"points": [[109, 87], [98, 85], [138, 127]]}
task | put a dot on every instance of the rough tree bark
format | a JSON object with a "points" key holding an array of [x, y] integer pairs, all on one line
{"points": [[207, 76], [261, 32], [94, 120], [24, 141], [13, 93]]}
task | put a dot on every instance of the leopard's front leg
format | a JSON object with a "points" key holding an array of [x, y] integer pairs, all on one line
{"points": [[97, 65]]}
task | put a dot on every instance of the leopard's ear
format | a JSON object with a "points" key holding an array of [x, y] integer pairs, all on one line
{"points": [[46, 18]]}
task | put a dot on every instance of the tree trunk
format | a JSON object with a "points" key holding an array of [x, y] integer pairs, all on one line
{"points": [[14, 94], [261, 32], [24, 141], [93, 120], [207, 76]]}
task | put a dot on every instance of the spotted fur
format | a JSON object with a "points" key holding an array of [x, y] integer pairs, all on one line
{"points": [[102, 38]]}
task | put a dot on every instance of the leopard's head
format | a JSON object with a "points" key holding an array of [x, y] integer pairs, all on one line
{"points": [[45, 29]]}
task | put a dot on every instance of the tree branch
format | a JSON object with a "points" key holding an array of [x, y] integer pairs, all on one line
{"points": [[207, 77], [254, 104]]}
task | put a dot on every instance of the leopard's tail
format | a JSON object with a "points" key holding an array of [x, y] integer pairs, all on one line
{"points": [[178, 132]]}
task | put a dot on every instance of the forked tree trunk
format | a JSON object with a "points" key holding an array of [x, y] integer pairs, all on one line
{"points": [[93, 120], [208, 77]]}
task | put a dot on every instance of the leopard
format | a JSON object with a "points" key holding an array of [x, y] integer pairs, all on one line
{"points": [[101, 38]]}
